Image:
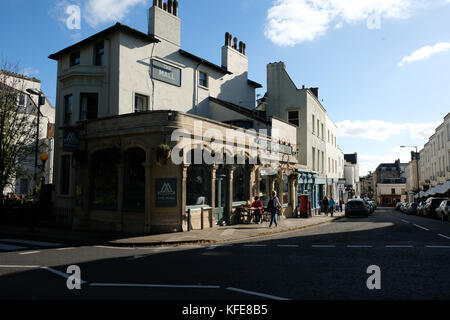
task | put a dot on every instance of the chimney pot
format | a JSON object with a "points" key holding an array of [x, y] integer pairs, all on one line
{"points": [[160, 3], [243, 48], [175, 8], [170, 6], [165, 6], [227, 39], [235, 40], [240, 46]]}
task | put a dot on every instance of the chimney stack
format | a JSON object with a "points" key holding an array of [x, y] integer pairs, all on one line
{"points": [[171, 6]]}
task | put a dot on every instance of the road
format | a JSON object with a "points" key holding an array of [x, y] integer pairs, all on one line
{"points": [[324, 262]]}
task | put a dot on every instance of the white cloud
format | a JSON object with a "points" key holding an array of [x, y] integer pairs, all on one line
{"points": [[425, 53], [290, 22], [382, 130], [370, 162], [98, 12]]}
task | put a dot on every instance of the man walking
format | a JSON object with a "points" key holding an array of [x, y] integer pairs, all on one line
{"points": [[274, 206], [325, 205]]}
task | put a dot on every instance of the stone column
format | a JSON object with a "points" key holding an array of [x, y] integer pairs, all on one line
{"points": [[213, 195], [258, 180], [183, 216], [148, 197], [120, 182], [252, 183], [230, 193]]}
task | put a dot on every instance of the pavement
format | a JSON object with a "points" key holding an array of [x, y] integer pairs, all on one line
{"points": [[218, 234]]}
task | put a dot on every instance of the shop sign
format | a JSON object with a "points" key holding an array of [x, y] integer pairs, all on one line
{"points": [[166, 193], [164, 72]]}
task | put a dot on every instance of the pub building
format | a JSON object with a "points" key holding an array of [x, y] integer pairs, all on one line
{"points": [[121, 95]]}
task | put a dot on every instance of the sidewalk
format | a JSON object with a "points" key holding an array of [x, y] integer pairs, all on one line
{"points": [[208, 236]]}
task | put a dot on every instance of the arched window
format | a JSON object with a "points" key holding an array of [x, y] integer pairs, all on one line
{"points": [[198, 191], [134, 180], [104, 179], [241, 178]]}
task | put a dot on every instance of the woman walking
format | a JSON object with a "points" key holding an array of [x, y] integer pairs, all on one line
{"points": [[331, 204], [274, 206], [325, 205]]}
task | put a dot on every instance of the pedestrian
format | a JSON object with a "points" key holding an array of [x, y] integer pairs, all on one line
{"points": [[274, 206], [325, 205], [257, 205], [331, 205], [341, 204]]}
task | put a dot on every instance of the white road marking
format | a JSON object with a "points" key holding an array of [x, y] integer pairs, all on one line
{"points": [[288, 245], [18, 267], [136, 285], [59, 273], [212, 248], [257, 294], [62, 249], [443, 236], [8, 247], [30, 252], [405, 221], [32, 243], [423, 228], [117, 248]]}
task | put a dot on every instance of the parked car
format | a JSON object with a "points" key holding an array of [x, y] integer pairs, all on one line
{"points": [[398, 206], [356, 207], [420, 208], [443, 210], [412, 209], [431, 205], [404, 207]]}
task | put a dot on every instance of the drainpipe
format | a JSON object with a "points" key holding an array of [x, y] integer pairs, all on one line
{"points": [[196, 86]]}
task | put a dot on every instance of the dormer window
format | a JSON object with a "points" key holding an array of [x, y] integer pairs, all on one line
{"points": [[75, 59]]}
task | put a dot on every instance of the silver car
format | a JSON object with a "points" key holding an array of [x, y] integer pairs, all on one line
{"points": [[443, 210]]}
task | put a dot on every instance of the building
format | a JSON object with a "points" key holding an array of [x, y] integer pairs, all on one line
{"points": [[434, 163], [390, 183], [412, 176], [24, 184], [320, 161], [367, 186], [122, 98], [351, 176]]}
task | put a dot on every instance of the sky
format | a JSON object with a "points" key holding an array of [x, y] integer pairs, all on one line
{"points": [[382, 66]]}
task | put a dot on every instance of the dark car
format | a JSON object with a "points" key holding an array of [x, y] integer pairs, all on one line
{"points": [[412, 209], [431, 205], [356, 207]]}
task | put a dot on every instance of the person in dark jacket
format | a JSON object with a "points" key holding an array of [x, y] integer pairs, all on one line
{"points": [[325, 205], [274, 207]]}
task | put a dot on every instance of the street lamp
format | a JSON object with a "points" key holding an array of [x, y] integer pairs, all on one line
{"points": [[40, 102], [40, 95]]}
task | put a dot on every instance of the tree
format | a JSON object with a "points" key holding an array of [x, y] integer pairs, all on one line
{"points": [[18, 122]]}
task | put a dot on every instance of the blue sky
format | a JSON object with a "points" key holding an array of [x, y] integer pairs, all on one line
{"points": [[382, 66]]}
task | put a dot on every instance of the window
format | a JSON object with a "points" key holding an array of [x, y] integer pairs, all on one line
{"points": [[323, 132], [65, 175], [134, 180], [68, 109], [88, 106], [199, 182], [318, 127], [24, 186], [241, 176], [140, 103], [99, 50], [75, 59], [293, 118], [393, 191], [104, 179], [203, 79], [314, 158], [313, 124]]}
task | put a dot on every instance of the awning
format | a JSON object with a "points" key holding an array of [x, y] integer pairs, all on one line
{"points": [[439, 189]]}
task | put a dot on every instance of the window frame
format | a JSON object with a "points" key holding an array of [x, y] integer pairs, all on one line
{"points": [[137, 95], [289, 119], [67, 120], [75, 56], [98, 47], [200, 79]]}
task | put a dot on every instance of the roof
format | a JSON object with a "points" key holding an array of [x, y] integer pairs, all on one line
{"points": [[254, 84], [117, 27], [205, 62], [20, 76], [244, 111]]}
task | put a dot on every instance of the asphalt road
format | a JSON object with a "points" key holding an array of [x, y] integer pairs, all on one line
{"points": [[325, 262]]}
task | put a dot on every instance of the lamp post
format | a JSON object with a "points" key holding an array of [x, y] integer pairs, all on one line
{"points": [[417, 165], [40, 96]]}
